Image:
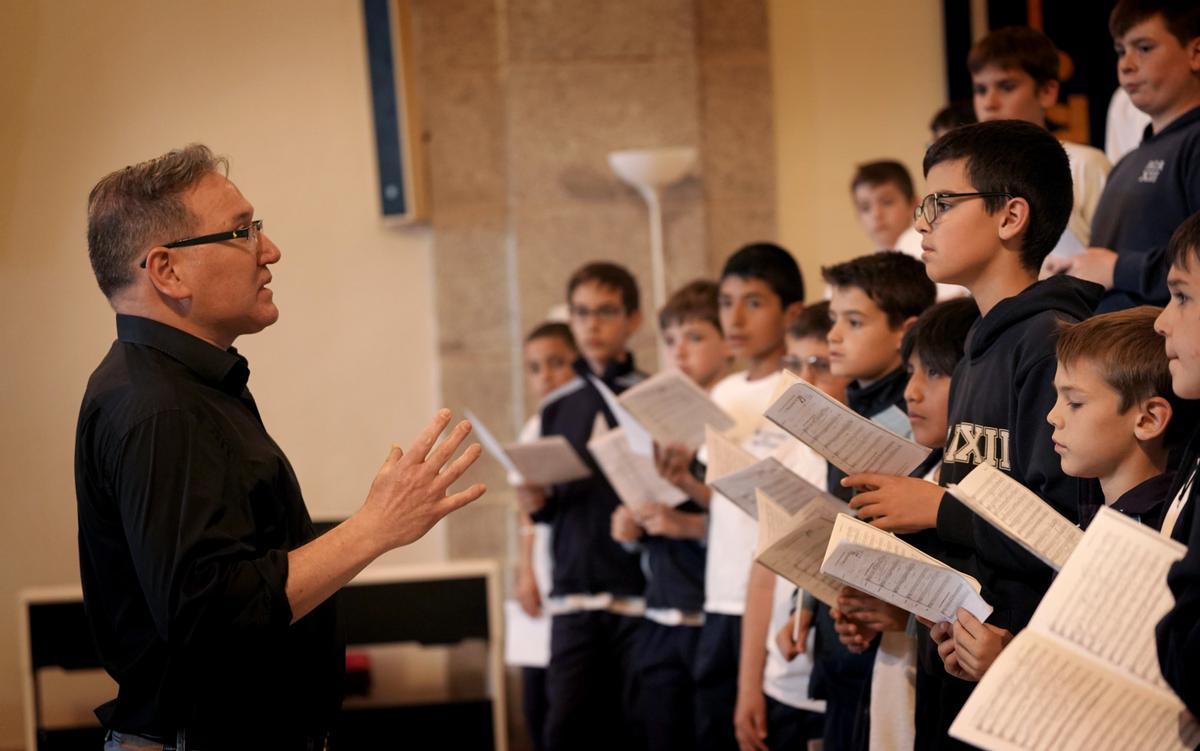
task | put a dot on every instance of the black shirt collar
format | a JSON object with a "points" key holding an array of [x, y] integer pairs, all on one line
{"points": [[888, 391], [612, 371], [1144, 497], [225, 369]]}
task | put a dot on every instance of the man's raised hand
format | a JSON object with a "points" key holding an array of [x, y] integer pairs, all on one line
{"points": [[409, 494]]}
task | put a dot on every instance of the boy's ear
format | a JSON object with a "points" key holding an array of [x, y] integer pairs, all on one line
{"points": [[1154, 415], [634, 321], [1014, 218], [1047, 94], [1193, 52], [792, 312]]}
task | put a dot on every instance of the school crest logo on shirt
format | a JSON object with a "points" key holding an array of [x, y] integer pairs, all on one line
{"points": [[978, 444], [1151, 171]]}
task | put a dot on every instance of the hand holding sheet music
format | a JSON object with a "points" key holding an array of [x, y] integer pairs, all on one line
{"points": [[632, 475], [1083, 676], [1017, 512], [849, 441], [883, 565], [546, 461], [792, 543], [674, 409], [640, 440]]}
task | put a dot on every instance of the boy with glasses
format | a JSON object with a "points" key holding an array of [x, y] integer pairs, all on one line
{"points": [[596, 601], [1002, 196]]}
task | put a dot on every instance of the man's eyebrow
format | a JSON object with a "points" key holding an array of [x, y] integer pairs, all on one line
{"points": [[243, 217]]}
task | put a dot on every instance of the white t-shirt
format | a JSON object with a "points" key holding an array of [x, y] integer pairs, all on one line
{"points": [[732, 535], [1089, 172], [543, 560], [783, 681]]}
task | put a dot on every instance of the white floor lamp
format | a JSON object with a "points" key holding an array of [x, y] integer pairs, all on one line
{"points": [[650, 171]]}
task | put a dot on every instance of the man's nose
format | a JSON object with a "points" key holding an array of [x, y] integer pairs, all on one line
{"points": [[268, 252]]}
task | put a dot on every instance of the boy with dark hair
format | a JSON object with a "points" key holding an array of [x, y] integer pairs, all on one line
{"points": [[1014, 73], [1155, 187], [1179, 631], [691, 330], [761, 291], [884, 199], [596, 601], [1001, 197], [774, 709], [875, 299], [549, 352], [670, 540], [953, 115], [931, 350]]}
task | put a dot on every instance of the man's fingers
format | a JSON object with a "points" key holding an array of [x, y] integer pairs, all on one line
{"points": [[460, 465], [420, 447], [442, 452], [461, 498]]}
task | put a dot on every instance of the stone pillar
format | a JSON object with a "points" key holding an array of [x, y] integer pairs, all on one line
{"points": [[523, 100]]}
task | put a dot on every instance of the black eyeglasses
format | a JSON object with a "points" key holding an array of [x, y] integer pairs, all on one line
{"points": [[251, 231], [930, 205]]}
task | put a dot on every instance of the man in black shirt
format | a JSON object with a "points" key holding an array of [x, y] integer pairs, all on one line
{"points": [[208, 594]]}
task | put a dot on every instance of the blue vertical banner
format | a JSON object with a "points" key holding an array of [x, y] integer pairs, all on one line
{"points": [[389, 146]]}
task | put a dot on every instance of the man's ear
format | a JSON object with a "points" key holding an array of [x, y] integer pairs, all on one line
{"points": [[163, 274], [1014, 218], [1154, 415], [1192, 48]]}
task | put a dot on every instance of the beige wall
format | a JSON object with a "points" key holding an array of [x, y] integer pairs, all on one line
{"points": [[281, 87], [854, 81]]}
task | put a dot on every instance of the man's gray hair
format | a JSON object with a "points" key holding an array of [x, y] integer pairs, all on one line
{"points": [[135, 208]]}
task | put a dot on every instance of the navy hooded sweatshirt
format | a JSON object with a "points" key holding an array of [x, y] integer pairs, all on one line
{"points": [[586, 558], [1000, 395]]}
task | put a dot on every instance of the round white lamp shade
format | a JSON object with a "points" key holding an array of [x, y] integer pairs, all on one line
{"points": [[653, 168]]}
